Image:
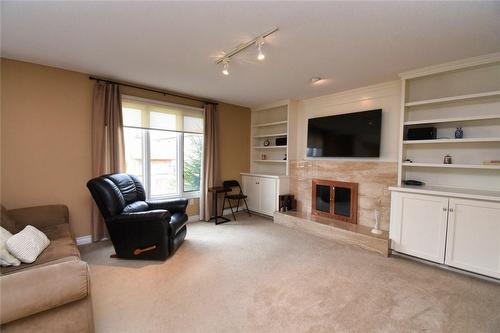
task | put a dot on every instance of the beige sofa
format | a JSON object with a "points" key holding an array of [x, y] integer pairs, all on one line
{"points": [[53, 293]]}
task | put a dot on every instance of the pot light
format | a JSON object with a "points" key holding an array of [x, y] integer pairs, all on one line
{"points": [[225, 69], [315, 79]]}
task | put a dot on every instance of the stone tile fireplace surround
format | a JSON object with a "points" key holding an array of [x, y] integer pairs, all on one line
{"points": [[373, 180]]}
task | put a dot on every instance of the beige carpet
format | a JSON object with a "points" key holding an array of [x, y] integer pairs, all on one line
{"points": [[256, 276]]}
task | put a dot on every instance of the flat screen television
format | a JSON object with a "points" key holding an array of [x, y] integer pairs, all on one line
{"points": [[345, 135]]}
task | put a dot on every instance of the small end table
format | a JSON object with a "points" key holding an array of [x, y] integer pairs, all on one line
{"points": [[215, 191]]}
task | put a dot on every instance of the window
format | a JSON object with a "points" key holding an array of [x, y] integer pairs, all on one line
{"points": [[163, 146]]}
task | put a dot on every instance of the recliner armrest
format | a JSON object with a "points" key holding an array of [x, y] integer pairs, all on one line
{"points": [[173, 206], [141, 217]]}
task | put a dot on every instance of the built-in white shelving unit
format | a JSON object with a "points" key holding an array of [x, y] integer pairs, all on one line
{"points": [[270, 127], [463, 94], [454, 219]]}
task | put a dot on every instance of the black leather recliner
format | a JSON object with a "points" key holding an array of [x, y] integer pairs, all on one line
{"points": [[139, 229]]}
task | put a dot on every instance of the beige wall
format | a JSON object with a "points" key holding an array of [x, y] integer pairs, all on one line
{"points": [[46, 139], [46, 153]]}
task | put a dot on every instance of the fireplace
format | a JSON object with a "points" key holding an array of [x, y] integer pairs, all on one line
{"points": [[335, 199]]}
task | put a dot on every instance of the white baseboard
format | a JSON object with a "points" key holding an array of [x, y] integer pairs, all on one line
{"points": [[83, 240]]}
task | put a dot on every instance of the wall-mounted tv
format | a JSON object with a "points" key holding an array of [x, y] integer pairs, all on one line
{"points": [[345, 135]]}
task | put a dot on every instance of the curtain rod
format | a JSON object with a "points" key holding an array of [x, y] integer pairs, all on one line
{"points": [[164, 92]]}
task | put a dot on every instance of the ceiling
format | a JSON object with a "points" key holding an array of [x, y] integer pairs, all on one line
{"points": [[173, 45]]}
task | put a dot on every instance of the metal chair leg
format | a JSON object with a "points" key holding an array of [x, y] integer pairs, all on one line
{"points": [[223, 206], [238, 206], [246, 205], [230, 206]]}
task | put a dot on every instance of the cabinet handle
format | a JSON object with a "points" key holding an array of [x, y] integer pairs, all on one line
{"points": [[451, 210], [445, 209]]}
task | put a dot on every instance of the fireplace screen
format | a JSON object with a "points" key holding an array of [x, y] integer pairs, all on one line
{"points": [[335, 199]]}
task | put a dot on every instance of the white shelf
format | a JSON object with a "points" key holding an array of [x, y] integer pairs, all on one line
{"points": [[451, 120], [453, 98], [467, 193], [284, 122], [466, 140], [270, 161], [269, 147], [455, 166], [269, 135]]}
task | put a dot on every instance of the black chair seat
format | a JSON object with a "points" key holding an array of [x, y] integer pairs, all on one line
{"points": [[236, 196]]}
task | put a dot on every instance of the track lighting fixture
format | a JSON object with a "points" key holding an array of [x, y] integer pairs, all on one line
{"points": [[225, 69], [260, 43], [257, 41]]}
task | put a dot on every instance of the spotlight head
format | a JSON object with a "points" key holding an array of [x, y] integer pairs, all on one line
{"points": [[260, 43], [225, 69]]}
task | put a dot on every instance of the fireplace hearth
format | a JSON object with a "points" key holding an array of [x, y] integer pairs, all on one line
{"points": [[335, 199]]}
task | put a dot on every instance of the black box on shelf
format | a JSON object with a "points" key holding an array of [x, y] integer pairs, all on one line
{"points": [[421, 133], [280, 141]]}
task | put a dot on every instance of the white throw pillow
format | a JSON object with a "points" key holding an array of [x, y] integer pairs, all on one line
{"points": [[27, 244], [6, 259]]}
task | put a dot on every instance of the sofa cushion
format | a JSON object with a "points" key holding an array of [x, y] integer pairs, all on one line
{"points": [[6, 259], [61, 245], [27, 244], [44, 287]]}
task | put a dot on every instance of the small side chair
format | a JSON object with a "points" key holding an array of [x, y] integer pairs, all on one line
{"points": [[234, 185]]}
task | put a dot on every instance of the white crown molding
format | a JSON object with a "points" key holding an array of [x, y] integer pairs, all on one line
{"points": [[452, 65]]}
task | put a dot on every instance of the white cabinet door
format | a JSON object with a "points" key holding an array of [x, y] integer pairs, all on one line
{"points": [[268, 196], [418, 225], [251, 189], [473, 241]]}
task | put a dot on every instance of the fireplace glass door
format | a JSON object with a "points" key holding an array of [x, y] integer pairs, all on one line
{"points": [[323, 197], [342, 203]]}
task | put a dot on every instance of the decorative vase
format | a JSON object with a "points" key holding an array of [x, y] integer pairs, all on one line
{"points": [[459, 133], [376, 229]]}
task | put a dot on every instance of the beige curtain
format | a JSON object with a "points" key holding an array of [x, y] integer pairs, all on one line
{"points": [[211, 171], [108, 152]]}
